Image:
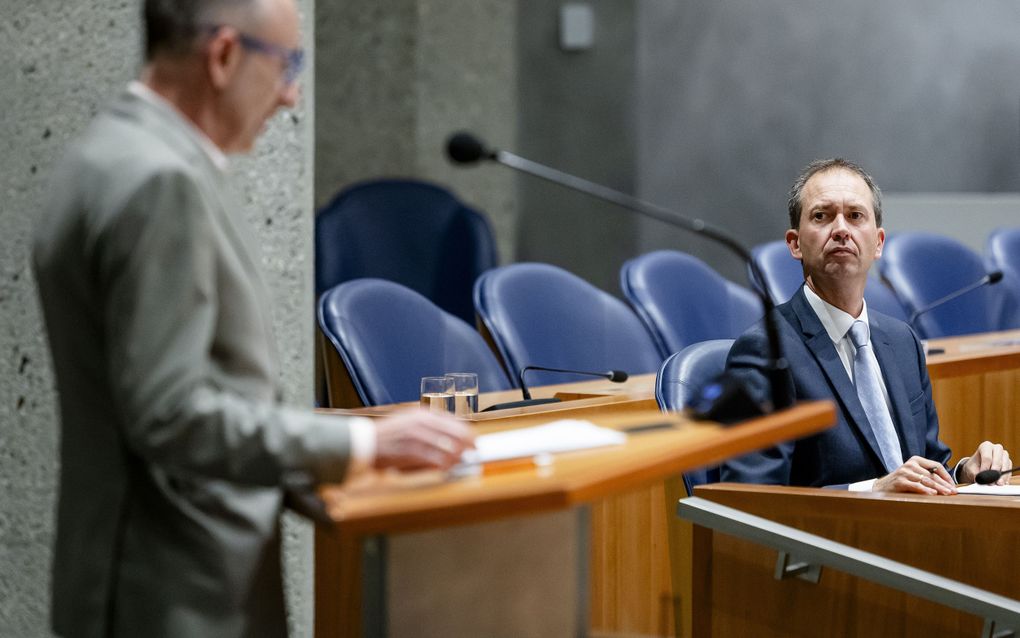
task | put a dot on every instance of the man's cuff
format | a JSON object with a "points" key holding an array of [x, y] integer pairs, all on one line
{"points": [[959, 466], [362, 446], [861, 486]]}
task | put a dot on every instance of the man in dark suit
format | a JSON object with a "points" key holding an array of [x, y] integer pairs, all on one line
{"points": [[175, 453], [871, 365]]}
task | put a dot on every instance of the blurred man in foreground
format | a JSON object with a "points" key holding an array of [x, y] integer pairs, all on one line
{"points": [[175, 453]]}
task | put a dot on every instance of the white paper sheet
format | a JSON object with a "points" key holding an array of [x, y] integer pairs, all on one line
{"points": [[559, 436], [997, 490]]}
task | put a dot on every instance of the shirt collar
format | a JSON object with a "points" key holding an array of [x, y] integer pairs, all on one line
{"points": [[835, 321], [218, 158]]}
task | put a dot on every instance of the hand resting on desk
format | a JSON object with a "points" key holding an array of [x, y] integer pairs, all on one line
{"points": [[415, 439], [918, 475], [923, 476], [989, 456]]}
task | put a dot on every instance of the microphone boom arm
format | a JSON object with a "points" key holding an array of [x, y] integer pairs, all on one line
{"points": [[990, 278], [777, 364]]}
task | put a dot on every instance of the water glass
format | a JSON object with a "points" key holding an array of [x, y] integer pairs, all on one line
{"points": [[465, 392], [437, 394]]}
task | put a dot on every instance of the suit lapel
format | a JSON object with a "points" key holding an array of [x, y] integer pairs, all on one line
{"points": [[893, 377], [818, 342], [169, 127]]}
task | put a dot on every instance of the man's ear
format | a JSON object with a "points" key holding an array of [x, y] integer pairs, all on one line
{"points": [[222, 56], [881, 243], [793, 243]]}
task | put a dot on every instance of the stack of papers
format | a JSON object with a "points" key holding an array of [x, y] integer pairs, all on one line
{"points": [[997, 490], [559, 436]]}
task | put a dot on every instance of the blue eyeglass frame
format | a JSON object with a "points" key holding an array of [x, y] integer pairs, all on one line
{"points": [[293, 59]]}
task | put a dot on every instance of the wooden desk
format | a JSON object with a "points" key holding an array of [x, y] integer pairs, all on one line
{"points": [[578, 399], [976, 385], [385, 507], [972, 539], [976, 389]]}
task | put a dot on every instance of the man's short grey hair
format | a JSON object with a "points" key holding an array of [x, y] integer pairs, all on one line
{"points": [[172, 27], [820, 166]]}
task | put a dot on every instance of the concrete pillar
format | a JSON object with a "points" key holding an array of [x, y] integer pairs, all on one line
{"points": [[60, 63]]}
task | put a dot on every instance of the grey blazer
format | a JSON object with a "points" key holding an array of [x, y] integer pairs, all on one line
{"points": [[174, 446]]}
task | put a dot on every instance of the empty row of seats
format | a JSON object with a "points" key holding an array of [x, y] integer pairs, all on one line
{"points": [[536, 314]]}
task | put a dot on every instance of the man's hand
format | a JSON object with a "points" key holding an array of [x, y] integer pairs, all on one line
{"points": [[415, 440], [989, 456], [917, 475]]}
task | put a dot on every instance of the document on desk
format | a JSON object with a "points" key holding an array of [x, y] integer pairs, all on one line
{"points": [[567, 435], [996, 490]]}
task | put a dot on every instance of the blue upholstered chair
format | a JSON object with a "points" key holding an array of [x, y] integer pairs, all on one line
{"points": [[681, 300], [678, 379], [881, 297], [924, 267], [782, 273], [538, 314], [785, 276], [1002, 252], [387, 337], [411, 232]]}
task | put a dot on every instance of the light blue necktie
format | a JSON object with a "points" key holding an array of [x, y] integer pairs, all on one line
{"points": [[868, 379]]}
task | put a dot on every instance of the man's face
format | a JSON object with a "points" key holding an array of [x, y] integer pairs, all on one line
{"points": [[259, 87], [838, 239]]}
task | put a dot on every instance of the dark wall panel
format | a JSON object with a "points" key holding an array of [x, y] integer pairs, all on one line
{"points": [[736, 95], [577, 114]]}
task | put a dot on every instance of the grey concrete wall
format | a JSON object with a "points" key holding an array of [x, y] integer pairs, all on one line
{"points": [[737, 96], [968, 217], [60, 63], [395, 77], [577, 113]]}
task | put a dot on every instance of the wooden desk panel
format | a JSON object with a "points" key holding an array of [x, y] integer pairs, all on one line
{"points": [[972, 539], [976, 385], [631, 533], [976, 389], [392, 503]]}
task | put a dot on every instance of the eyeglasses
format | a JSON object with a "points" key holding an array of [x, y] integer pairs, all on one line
{"points": [[293, 59]]}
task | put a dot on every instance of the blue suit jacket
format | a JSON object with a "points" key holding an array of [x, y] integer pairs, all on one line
{"points": [[848, 452]]}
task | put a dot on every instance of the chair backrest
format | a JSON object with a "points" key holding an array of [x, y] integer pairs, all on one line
{"points": [[924, 267], [681, 300], [881, 297], [538, 314], [1002, 252], [785, 276], [680, 376], [389, 337], [411, 232]]}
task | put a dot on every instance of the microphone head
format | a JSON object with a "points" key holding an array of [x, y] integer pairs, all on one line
{"points": [[464, 148], [987, 477], [617, 376], [994, 277]]}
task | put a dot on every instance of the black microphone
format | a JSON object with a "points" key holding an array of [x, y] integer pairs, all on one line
{"points": [[465, 148], [616, 376], [987, 477], [991, 278]]}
